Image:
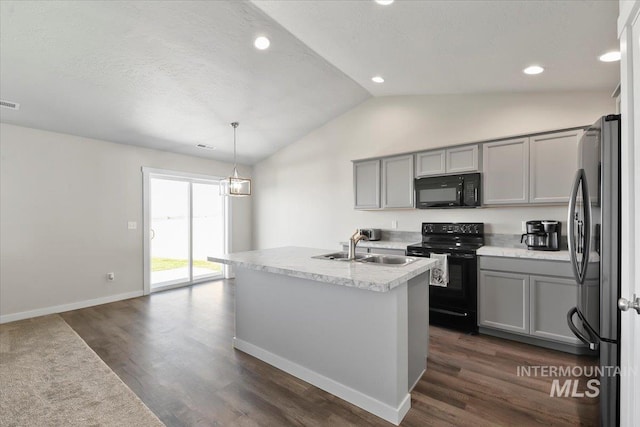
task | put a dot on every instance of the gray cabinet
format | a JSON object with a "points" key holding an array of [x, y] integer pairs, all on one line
{"points": [[530, 170], [452, 160], [530, 299], [505, 167], [397, 182], [553, 163], [431, 163], [504, 301], [551, 298], [462, 159], [366, 184]]}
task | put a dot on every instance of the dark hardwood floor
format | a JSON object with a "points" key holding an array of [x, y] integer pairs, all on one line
{"points": [[173, 349]]}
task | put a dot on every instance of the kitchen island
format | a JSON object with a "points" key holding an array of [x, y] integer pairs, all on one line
{"points": [[356, 330]]}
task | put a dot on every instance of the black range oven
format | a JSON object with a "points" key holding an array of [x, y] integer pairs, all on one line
{"points": [[455, 304]]}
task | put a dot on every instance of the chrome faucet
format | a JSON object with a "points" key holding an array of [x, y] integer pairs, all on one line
{"points": [[353, 241]]}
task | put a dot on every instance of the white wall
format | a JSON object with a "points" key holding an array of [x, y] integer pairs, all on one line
{"points": [[304, 194], [64, 207]]}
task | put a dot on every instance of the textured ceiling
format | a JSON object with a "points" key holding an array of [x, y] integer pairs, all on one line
{"points": [[167, 75], [170, 75]]}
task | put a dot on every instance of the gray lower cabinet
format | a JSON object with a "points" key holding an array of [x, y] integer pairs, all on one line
{"points": [[551, 298], [530, 299], [504, 301]]}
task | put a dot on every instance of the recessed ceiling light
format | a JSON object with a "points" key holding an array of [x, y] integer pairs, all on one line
{"points": [[261, 43], [206, 147], [533, 69], [612, 56], [384, 2], [377, 79]]}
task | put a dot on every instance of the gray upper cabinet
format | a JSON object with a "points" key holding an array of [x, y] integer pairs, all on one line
{"points": [[553, 164], [462, 159], [366, 184], [505, 166], [431, 163], [397, 182], [451, 160]]}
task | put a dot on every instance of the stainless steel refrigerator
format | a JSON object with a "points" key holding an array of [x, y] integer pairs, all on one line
{"points": [[594, 226]]}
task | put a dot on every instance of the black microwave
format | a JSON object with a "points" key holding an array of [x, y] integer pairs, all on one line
{"points": [[448, 191]]}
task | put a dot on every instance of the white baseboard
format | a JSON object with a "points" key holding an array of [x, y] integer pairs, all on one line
{"points": [[66, 307], [368, 403]]}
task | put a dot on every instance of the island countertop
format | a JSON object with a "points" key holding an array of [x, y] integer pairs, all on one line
{"points": [[298, 262]]}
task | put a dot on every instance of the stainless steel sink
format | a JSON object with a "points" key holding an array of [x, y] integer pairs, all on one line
{"points": [[387, 260], [391, 260]]}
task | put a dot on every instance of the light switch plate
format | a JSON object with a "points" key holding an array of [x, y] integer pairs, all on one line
{"points": [[132, 225], [394, 224]]}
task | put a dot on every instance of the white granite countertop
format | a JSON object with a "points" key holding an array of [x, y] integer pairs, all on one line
{"points": [[298, 262], [382, 244], [525, 253]]}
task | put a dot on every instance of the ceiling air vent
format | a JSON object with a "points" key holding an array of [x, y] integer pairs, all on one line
{"points": [[8, 104], [206, 147]]}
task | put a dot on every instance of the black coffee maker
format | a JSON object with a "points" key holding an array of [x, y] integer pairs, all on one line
{"points": [[542, 235]]}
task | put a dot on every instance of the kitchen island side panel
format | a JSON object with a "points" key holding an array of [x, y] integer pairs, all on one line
{"points": [[355, 337]]}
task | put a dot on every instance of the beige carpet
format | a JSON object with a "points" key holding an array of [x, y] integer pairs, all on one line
{"points": [[50, 377]]}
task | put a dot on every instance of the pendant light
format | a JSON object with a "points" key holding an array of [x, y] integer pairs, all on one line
{"points": [[235, 185]]}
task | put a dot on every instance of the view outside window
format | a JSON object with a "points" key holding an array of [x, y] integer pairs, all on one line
{"points": [[174, 249]]}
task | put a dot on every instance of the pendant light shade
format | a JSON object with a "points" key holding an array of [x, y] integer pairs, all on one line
{"points": [[235, 185]]}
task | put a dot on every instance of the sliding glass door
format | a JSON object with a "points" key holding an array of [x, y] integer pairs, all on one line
{"points": [[208, 233], [186, 220]]}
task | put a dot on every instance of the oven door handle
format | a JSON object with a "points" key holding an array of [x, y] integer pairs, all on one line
{"points": [[450, 255]]}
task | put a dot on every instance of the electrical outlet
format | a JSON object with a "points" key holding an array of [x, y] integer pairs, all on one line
{"points": [[394, 224], [111, 277], [523, 226], [132, 225]]}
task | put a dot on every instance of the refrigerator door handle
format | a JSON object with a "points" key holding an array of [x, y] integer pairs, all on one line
{"points": [[590, 341], [582, 245]]}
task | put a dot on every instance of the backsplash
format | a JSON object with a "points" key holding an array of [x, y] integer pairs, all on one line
{"points": [[401, 236], [490, 239], [513, 241]]}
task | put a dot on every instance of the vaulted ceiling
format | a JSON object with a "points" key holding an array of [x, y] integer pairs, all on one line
{"points": [[171, 75]]}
